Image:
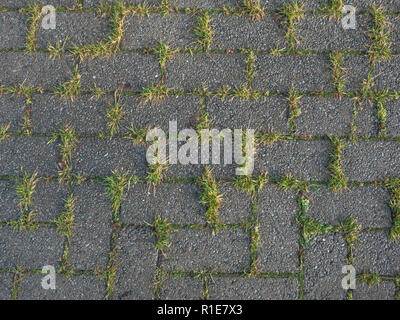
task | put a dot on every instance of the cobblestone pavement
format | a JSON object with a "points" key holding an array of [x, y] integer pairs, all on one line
{"points": [[77, 193]]}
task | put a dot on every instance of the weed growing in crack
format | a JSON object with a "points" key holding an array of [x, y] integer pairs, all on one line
{"points": [[338, 180]]}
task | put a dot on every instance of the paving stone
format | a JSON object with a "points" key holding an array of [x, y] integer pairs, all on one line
{"points": [[394, 34], [6, 282], [118, 70], [95, 157], [278, 250], [12, 31], [12, 110], [90, 242], [386, 74], [393, 118], [236, 205], [77, 287], [234, 32], [356, 71], [48, 201], [281, 73], [136, 260], [9, 202], [178, 202], [202, 4], [227, 251], [266, 114], [228, 288], [181, 288], [375, 253], [323, 263], [321, 116], [385, 290], [368, 205], [368, 161], [24, 3], [316, 32], [34, 70], [366, 121], [182, 109], [307, 160], [52, 113], [74, 28], [213, 71], [31, 153], [30, 250], [174, 29]]}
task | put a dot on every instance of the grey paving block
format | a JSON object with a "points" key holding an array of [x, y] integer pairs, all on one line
{"points": [[202, 4], [74, 28], [34, 70], [95, 157], [308, 160], [211, 70], [229, 288], [374, 252], [6, 282], [278, 250], [393, 118], [385, 290], [178, 202], [236, 205], [12, 31], [266, 114], [356, 71], [394, 34], [316, 32], [52, 113], [368, 161], [119, 70], [182, 109], [31, 153], [24, 3], [49, 199], [79, 287], [368, 205], [12, 110], [386, 74], [366, 121], [181, 288], [304, 73], [323, 263], [174, 29], [136, 261], [321, 116], [30, 250], [227, 251], [234, 32], [90, 242], [9, 202]]}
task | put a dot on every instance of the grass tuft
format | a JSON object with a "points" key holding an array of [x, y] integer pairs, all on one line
{"points": [[249, 184], [117, 184], [294, 111], [292, 12], [163, 53], [394, 189], [155, 93], [203, 31], [337, 66], [115, 114], [65, 222], [380, 48], [70, 88], [210, 198], [252, 8], [351, 230], [156, 174], [33, 11], [4, 132], [333, 8], [26, 189], [162, 230], [337, 180]]}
